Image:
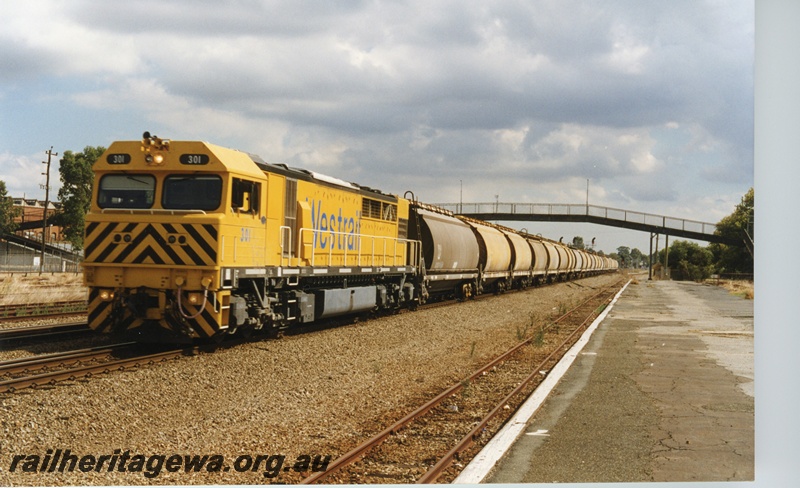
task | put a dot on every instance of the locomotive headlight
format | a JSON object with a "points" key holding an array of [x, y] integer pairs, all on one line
{"points": [[195, 298], [106, 295], [154, 159]]}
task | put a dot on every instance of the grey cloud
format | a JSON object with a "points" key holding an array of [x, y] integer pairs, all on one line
{"points": [[416, 91], [22, 62], [213, 17]]}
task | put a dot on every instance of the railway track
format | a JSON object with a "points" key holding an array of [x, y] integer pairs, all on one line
{"points": [[71, 365], [41, 370], [14, 312], [43, 332], [435, 440]]}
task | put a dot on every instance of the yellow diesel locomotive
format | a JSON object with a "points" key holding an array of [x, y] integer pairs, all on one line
{"points": [[188, 240]]}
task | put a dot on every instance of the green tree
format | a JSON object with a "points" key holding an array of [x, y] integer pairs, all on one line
{"points": [[630, 258], [638, 259], [737, 226], [577, 242], [76, 191], [7, 211], [624, 256], [690, 260]]}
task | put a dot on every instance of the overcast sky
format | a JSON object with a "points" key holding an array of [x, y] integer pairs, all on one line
{"points": [[520, 101]]}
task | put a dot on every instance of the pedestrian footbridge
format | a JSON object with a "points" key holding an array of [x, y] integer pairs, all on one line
{"points": [[557, 212]]}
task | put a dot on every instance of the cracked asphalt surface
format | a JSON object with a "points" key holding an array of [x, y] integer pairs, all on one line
{"points": [[662, 392]]}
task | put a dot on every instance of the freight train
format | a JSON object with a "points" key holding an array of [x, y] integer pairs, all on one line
{"points": [[187, 240]]}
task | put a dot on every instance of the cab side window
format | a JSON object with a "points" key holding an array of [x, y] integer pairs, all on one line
{"points": [[245, 196]]}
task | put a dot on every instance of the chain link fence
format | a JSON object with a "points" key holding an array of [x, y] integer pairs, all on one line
{"points": [[16, 258]]}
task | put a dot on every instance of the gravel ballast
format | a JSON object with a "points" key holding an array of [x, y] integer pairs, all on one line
{"points": [[315, 394]]}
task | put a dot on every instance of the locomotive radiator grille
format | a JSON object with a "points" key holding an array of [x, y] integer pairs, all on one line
{"points": [[146, 243]]}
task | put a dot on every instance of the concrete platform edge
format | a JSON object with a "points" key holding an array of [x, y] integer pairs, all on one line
{"points": [[482, 464]]}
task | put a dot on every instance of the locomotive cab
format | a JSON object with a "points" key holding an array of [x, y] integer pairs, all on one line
{"points": [[153, 242]]}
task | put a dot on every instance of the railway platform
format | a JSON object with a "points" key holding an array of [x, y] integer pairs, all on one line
{"points": [[662, 391]]}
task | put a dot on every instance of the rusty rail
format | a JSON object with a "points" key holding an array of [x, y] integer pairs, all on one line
{"points": [[16, 311], [74, 357]]}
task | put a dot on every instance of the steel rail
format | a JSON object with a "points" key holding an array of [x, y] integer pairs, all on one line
{"points": [[59, 359], [30, 310], [15, 384], [359, 451], [41, 331]]}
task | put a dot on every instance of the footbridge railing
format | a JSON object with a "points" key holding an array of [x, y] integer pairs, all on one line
{"points": [[558, 212]]}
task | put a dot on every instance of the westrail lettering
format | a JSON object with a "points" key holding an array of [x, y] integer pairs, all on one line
{"points": [[333, 229]]}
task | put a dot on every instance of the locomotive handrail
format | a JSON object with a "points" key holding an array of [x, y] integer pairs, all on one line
{"points": [[383, 255], [152, 211]]}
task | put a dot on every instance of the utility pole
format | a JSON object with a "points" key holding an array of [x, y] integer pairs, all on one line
{"points": [[587, 196], [50, 154], [650, 263]]}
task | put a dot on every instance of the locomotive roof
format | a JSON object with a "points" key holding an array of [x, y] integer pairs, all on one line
{"points": [[307, 175], [232, 159]]}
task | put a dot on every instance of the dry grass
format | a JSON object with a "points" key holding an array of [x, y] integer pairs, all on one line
{"points": [[740, 288], [34, 288]]}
